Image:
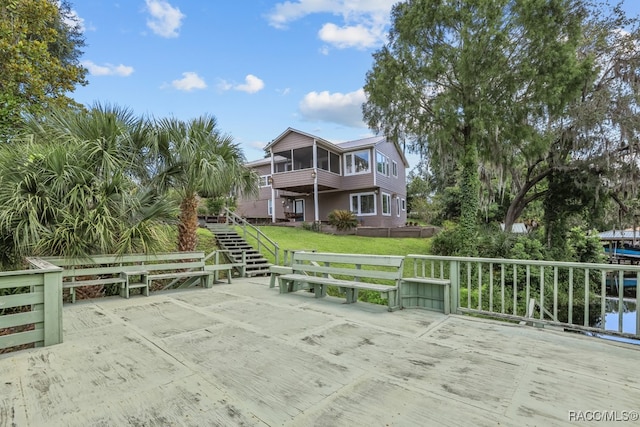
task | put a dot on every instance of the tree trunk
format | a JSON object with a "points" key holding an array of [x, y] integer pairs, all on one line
{"points": [[469, 188], [188, 226], [521, 201]]}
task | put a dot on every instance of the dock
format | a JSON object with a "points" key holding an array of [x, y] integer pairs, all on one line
{"points": [[242, 354]]}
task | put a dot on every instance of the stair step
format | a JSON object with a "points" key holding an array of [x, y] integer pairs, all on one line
{"points": [[257, 273]]}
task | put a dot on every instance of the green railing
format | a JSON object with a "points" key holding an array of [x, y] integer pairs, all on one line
{"points": [[31, 306], [263, 242], [576, 296]]}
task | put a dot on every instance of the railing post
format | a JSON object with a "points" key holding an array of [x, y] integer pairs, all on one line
{"points": [[277, 254], [52, 308], [454, 277]]}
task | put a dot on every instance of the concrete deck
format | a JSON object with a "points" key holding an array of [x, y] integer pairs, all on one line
{"points": [[242, 354]]}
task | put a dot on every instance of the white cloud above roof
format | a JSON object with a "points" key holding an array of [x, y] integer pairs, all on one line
{"points": [[107, 69], [252, 84], [341, 108], [363, 22], [357, 36], [189, 81], [165, 20]]}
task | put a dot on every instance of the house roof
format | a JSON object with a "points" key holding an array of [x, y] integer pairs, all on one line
{"points": [[627, 234], [343, 146], [290, 130], [266, 161]]}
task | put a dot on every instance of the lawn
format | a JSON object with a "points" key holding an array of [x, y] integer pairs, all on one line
{"points": [[292, 238]]}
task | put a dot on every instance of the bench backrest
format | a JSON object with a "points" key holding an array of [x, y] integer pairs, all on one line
{"points": [[380, 267], [114, 264]]}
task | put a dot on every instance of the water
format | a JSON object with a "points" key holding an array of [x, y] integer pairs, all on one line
{"points": [[612, 318]]}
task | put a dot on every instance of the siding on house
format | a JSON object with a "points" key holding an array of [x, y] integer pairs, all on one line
{"points": [[334, 190]]}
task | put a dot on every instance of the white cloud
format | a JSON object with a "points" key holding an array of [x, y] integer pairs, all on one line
{"points": [[72, 19], [107, 69], [252, 84], [350, 36], [165, 19], [344, 109], [364, 22], [258, 145], [189, 81]]}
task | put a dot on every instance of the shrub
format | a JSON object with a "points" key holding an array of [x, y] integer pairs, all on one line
{"points": [[312, 226], [343, 219]]}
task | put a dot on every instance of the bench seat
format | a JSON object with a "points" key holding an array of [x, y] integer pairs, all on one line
{"points": [[138, 271], [277, 270], [215, 268], [315, 270], [72, 285], [203, 274]]}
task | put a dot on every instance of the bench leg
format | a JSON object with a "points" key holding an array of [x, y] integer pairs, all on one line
{"points": [[392, 300], [72, 291], [229, 275], [352, 295], [284, 285], [447, 301], [272, 281], [319, 290]]}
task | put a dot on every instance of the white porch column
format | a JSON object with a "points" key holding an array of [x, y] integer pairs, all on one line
{"points": [[316, 214], [273, 192]]}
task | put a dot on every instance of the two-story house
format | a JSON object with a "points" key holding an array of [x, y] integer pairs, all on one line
{"points": [[305, 177]]}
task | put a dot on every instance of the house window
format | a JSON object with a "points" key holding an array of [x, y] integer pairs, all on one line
{"points": [[328, 161], [404, 205], [302, 158], [398, 206], [270, 207], [382, 163], [263, 181], [386, 204], [334, 163], [394, 168], [363, 203], [282, 161], [357, 162]]}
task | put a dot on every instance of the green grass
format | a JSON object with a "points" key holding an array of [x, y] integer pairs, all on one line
{"points": [[291, 238]]}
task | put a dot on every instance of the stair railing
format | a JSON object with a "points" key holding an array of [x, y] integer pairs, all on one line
{"points": [[249, 229]]}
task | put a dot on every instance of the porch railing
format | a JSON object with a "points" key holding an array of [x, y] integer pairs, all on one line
{"points": [[262, 241], [31, 306], [578, 296]]}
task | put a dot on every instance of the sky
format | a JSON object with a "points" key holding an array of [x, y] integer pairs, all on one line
{"points": [[257, 66]]}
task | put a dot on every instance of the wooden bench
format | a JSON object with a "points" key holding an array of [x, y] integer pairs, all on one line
{"points": [[349, 272], [138, 271], [277, 270], [424, 290]]}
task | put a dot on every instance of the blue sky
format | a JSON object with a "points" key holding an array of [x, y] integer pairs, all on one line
{"points": [[258, 66]]}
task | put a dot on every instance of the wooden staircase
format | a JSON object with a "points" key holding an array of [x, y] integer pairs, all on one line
{"points": [[227, 239]]}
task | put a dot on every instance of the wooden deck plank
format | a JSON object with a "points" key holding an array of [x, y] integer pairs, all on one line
{"points": [[243, 354]]}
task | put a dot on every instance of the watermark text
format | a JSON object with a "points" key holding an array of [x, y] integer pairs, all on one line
{"points": [[604, 416]]}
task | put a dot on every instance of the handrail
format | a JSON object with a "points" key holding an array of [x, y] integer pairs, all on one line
{"points": [[254, 232], [572, 295]]}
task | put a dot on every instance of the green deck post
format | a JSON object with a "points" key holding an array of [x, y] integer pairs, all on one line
{"points": [[454, 277], [53, 307]]}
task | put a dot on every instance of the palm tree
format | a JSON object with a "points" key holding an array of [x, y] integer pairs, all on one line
{"points": [[75, 190], [199, 161]]}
